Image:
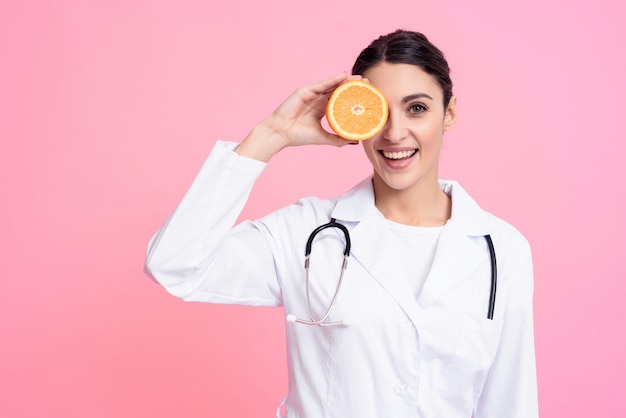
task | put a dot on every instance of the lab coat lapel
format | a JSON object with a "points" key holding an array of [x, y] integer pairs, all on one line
{"points": [[458, 255], [456, 258], [374, 248]]}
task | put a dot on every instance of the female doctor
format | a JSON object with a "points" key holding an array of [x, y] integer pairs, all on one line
{"points": [[408, 334]]}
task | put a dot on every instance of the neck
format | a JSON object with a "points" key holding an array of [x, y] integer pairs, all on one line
{"points": [[425, 204]]}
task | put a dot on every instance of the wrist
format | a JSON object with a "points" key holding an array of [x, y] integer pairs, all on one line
{"points": [[262, 143]]}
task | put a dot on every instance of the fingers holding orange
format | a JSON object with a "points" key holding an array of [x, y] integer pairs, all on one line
{"points": [[328, 85]]}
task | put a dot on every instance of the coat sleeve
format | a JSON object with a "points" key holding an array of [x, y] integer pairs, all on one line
{"points": [[511, 386], [197, 255]]}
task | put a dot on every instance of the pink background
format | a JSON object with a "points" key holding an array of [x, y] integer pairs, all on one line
{"points": [[108, 108]]}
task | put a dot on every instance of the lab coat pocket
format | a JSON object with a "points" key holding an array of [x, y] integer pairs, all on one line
{"points": [[475, 349]]}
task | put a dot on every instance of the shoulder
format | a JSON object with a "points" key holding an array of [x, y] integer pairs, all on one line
{"points": [[512, 248], [354, 205], [474, 221], [505, 233], [305, 213], [310, 212]]}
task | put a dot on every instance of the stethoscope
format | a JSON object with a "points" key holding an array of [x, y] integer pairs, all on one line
{"points": [[322, 322]]}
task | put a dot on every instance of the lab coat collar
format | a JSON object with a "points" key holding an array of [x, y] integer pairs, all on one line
{"points": [[467, 217], [457, 255], [357, 204]]}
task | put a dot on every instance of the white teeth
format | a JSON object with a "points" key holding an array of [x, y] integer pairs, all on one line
{"points": [[398, 155]]}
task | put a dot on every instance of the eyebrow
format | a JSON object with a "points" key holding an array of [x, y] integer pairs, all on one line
{"points": [[416, 96]]}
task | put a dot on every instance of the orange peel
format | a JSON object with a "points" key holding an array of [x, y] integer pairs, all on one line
{"points": [[356, 110]]}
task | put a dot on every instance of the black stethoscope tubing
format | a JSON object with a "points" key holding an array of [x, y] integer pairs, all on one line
{"points": [[494, 277]]}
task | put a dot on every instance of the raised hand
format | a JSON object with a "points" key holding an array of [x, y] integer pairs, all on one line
{"points": [[295, 122]]}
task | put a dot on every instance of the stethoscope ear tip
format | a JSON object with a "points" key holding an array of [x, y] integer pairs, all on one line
{"points": [[291, 318]]}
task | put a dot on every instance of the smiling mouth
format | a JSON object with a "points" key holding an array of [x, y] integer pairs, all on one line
{"points": [[398, 155]]}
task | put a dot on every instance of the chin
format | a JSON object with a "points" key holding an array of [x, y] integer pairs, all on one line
{"points": [[397, 182]]}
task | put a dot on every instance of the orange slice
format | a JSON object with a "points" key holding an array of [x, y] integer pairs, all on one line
{"points": [[356, 110]]}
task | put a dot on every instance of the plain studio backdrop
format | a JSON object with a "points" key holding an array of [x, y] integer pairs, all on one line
{"points": [[108, 109]]}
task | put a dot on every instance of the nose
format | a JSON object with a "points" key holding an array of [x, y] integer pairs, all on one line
{"points": [[395, 129]]}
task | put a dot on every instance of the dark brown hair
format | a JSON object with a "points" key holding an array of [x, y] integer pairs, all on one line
{"points": [[406, 47]]}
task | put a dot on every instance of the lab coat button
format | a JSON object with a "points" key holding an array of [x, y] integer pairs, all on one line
{"points": [[400, 390]]}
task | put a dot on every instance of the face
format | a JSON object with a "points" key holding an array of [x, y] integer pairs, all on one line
{"points": [[405, 155]]}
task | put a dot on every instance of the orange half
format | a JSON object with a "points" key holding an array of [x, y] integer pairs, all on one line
{"points": [[356, 110]]}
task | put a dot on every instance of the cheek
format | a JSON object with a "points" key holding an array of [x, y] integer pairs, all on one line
{"points": [[430, 134]]}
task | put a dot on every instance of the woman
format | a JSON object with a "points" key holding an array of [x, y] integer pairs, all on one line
{"points": [[409, 333]]}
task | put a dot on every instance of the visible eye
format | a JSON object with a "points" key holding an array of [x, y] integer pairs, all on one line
{"points": [[417, 108]]}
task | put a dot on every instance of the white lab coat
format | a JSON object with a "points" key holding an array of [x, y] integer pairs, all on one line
{"points": [[436, 356]]}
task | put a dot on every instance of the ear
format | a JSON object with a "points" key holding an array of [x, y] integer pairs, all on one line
{"points": [[449, 118]]}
